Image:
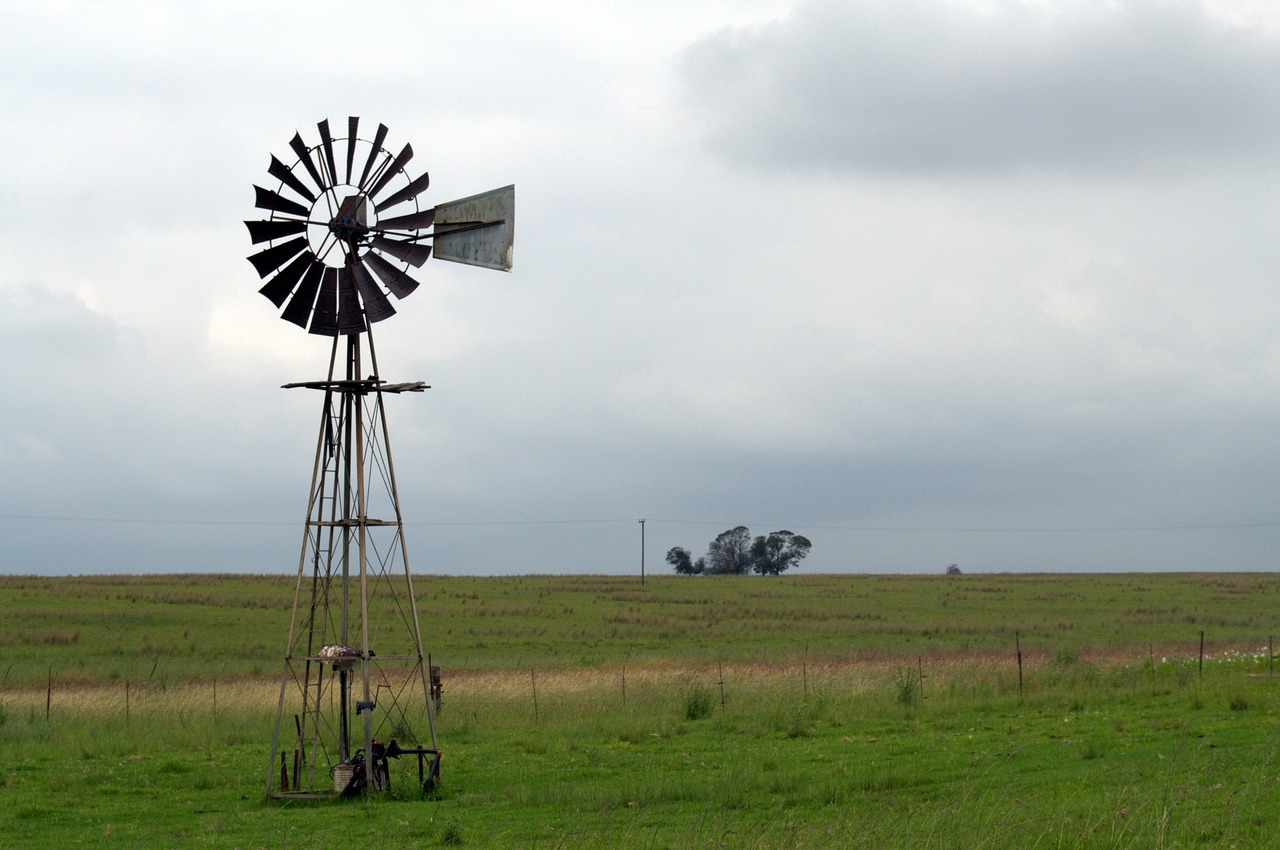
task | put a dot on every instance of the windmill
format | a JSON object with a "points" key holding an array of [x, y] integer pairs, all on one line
{"points": [[344, 226]]}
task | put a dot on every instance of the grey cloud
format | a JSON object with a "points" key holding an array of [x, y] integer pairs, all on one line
{"points": [[913, 86], [998, 373], [55, 327]]}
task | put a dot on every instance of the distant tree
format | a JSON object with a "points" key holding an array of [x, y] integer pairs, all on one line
{"points": [[730, 552], [953, 570], [778, 552], [733, 552], [684, 563]]}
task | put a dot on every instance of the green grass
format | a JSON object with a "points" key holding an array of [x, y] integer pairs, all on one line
{"points": [[143, 628], [1089, 756], [807, 711]]}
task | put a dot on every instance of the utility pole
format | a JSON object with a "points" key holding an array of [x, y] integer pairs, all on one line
{"points": [[642, 553]]}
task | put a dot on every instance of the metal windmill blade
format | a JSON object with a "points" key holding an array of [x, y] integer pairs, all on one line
{"points": [[370, 231], [320, 218]]}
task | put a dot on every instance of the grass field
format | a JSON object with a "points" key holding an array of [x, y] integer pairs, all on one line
{"points": [[202, 626], [806, 711]]}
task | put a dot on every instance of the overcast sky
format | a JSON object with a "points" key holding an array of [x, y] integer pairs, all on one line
{"points": [[929, 282]]}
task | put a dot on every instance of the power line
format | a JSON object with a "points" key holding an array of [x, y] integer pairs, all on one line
{"points": [[1007, 529], [139, 520], [717, 523], [233, 522]]}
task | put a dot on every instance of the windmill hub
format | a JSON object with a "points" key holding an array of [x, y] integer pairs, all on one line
{"points": [[350, 224]]}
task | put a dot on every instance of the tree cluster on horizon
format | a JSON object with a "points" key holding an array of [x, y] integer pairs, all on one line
{"points": [[734, 552]]}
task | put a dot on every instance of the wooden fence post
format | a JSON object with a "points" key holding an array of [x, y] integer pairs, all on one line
{"points": [[1017, 642], [534, 682], [804, 672]]}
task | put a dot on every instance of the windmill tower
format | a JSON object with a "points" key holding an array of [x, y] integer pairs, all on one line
{"points": [[344, 225]]}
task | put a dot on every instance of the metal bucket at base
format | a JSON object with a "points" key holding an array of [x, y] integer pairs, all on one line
{"points": [[342, 774]]}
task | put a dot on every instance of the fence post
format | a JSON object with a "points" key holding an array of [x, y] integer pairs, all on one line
{"points": [[804, 672], [1202, 653], [720, 665], [48, 694], [1017, 642], [534, 682]]}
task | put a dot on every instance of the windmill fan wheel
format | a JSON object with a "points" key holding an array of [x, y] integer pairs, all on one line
{"points": [[344, 227]]}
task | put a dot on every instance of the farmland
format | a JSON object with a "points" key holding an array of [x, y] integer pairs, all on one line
{"points": [[805, 711]]}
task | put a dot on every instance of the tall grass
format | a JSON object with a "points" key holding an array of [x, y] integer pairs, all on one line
{"points": [[135, 628]]}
